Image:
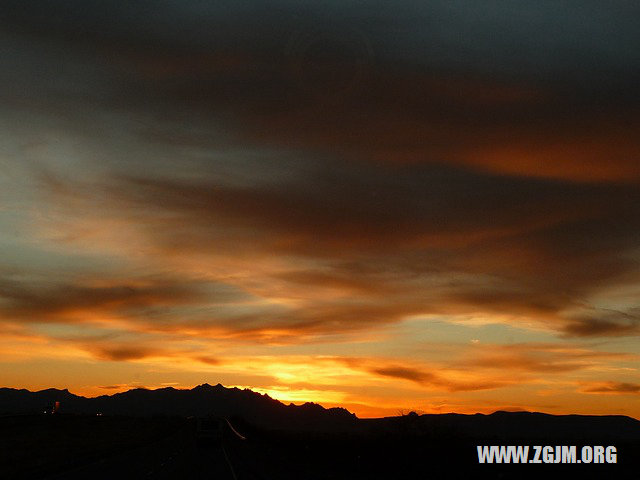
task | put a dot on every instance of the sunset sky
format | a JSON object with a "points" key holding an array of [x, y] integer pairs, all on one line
{"points": [[388, 206]]}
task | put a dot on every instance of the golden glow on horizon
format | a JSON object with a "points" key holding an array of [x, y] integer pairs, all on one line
{"points": [[368, 387]]}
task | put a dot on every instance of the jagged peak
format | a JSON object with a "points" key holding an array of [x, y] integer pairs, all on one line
{"points": [[207, 387]]}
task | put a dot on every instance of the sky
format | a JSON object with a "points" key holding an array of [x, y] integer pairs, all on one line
{"points": [[387, 206]]}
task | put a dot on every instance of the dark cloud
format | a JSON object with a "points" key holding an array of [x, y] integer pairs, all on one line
{"points": [[42, 301], [529, 246], [404, 241], [409, 143], [530, 358], [595, 327], [418, 83], [495, 36], [119, 353], [429, 379], [362, 207], [614, 388], [404, 373], [150, 300], [605, 323], [208, 360]]}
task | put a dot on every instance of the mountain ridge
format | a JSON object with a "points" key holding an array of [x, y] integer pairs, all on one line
{"points": [[263, 411], [202, 400]]}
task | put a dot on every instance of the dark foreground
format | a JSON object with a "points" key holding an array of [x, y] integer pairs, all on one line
{"points": [[95, 447]]}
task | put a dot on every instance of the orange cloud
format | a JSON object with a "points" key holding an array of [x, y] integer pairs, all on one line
{"points": [[540, 358]]}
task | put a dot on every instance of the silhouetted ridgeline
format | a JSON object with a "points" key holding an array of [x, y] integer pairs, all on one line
{"points": [[202, 400], [503, 426], [263, 411]]}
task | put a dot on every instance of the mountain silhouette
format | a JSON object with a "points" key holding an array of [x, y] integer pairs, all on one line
{"points": [[266, 412], [203, 400], [504, 426], [152, 434]]}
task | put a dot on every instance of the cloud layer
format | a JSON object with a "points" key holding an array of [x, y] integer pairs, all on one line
{"points": [[182, 180]]}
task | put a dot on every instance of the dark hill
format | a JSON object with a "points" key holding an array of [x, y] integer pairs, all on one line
{"points": [[263, 411], [203, 400], [506, 426]]}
